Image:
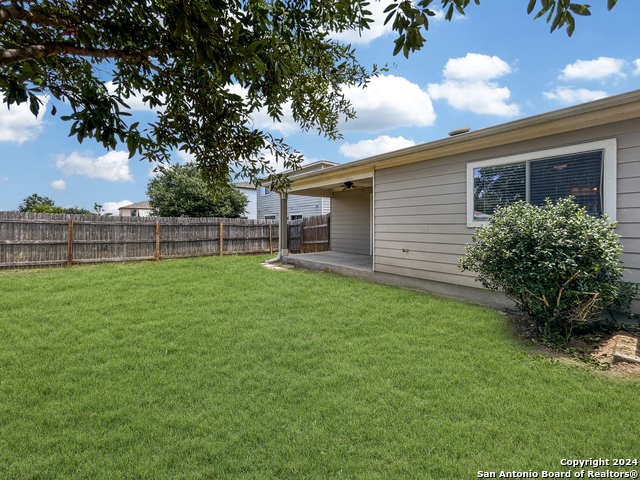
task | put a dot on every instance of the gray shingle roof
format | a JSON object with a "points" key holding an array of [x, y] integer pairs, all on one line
{"points": [[144, 204]]}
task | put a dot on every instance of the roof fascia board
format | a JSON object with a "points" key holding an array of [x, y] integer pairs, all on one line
{"points": [[600, 112]]}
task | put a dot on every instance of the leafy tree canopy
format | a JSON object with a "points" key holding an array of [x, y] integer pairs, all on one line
{"points": [[183, 56], [37, 204], [181, 191], [29, 204]]}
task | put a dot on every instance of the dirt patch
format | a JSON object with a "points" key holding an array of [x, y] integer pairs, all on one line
{"points": [[275, 266], [620, 351], [616, 353]]}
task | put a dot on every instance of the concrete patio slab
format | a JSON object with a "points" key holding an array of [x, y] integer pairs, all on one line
{"points": [[361, 266]]}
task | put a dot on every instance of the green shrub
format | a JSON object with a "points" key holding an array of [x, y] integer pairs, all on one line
{"points": [[557, 263]]}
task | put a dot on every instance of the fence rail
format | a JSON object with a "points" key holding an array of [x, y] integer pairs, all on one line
{"points": [[40, 239]]}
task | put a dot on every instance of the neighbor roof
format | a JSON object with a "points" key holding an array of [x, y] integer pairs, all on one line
{"points": [[140, 205], [245, 185]]}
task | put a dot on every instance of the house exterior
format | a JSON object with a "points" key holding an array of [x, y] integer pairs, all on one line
{"points": [[414, 209], [140, 209], [249, 189], [299, 206]]}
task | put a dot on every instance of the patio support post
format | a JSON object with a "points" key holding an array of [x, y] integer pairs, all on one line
{"points": [[282, 227]]}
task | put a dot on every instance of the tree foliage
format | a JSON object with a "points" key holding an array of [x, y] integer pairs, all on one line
{"points": [[30, 203], [187, 57], [559, 264], [181, 191], [37, 204]]}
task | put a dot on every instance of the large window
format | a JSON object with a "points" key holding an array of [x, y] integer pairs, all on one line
{"points": [[586, 171]]}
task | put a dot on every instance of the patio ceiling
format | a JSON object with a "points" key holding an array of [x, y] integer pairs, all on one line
{"points": [[329, 182]]}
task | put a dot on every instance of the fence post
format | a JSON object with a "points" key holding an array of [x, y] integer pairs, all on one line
{"points": [[270, 241], [70, 244], [221, 239], [157, 241]]}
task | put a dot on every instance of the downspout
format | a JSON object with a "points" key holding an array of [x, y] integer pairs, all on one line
{"points": [[283, 249]]}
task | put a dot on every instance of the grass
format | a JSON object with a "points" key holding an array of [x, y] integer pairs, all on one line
{"points": [[218, 368]]}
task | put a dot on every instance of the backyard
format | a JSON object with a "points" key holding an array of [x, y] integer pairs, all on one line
{"points": [[218, 368]]}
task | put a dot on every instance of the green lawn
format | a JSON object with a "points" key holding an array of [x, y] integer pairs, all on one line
{"points": [[218, 368]]}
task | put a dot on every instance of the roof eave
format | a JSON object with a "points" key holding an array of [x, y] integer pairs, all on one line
{"points": [[599, 112]]}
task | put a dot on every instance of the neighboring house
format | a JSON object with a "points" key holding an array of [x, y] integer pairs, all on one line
{"points": [[415, 208], [251, 210], [298, 206], [140, 209]]}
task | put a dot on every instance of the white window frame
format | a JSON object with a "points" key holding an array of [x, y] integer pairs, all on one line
{"points": [[266, 191], [301, 215], [275, 217], [609, 150]]}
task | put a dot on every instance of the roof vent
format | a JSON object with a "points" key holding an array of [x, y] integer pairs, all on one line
{"points": [[459, 131]]}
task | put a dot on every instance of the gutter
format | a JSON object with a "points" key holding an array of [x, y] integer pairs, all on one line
{"points": [[570, 118]]}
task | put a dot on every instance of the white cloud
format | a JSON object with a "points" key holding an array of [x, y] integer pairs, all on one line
{"points": [[286, 126], [377, 28], [467, 85], [476, 67], [59, 185], [572, 96], [112, 207], [478, 97], [369, 148], [4, 179], [637, 64], [278, 166], [114, 166], [18, 124], [388, 102], [185, 157], [441, 13], [598, 69], [262, 120], [135, 101]]}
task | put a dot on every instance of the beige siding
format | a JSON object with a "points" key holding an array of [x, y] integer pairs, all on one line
{"points": [[351, 222], [421, 207]]}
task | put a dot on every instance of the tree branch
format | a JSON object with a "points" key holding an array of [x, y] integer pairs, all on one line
{"points": [[32, 52], [14, 12]]}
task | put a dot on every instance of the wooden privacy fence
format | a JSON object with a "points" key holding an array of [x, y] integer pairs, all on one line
{"points": [[40, 239], [309, 235]]}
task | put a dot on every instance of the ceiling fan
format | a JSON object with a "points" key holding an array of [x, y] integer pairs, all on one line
{"points": [[350, 185]]}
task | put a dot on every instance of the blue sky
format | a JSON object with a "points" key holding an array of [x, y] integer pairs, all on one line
{"points": [[494, 65]]}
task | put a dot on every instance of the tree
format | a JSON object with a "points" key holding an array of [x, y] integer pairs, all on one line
{"points": [[185, 56], [99, 210], [30, 203], [78, 211], [181, 191], [37, 204]]}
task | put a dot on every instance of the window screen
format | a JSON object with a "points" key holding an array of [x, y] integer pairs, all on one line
{"points": [[579, 175], [498, 186]]}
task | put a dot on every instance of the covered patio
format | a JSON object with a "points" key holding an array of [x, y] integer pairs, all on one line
{"points": [[351, 232], [333, 261]]}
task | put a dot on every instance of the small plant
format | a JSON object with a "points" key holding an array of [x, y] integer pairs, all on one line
{"points": [[560, 265]]}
